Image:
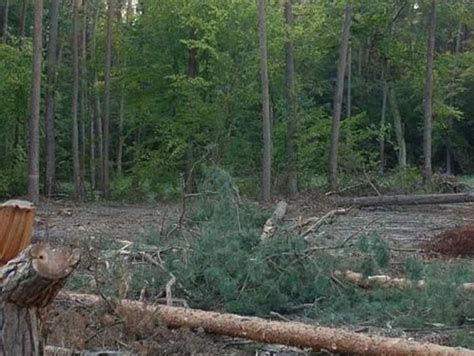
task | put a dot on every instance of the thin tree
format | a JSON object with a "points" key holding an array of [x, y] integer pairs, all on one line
{"points": [[336, 118], [428, 95], [24, 8], [75, 101], [383, 115], [5, 21], [33, 148], [290, 94], [83, 92], [106, 123], [266, 124], [50, 183], [349, 82], [397, 123]]}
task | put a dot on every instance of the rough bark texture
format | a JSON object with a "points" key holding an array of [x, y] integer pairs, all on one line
{"points": [[277, 216], [397, 123], [33, 147], [266, 124], [290, 94], [120, 133], [336, 118], [50, 183], [106, 123], [428, 95], [275, 332], [406, 199], [75, 102], [16, 225], [24, 7], [29, 283], [84, 94], [349, 82]]}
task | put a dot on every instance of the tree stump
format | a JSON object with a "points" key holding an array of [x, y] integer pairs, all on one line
{"points": [[28, 282]]}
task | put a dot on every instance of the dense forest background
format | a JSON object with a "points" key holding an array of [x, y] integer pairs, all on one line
{"points": [[140, 98]]}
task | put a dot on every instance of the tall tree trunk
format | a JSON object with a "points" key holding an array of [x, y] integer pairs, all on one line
{"points": [[106, 123], [397, 123], [428, 95], [97, 138], [383, 119], [5, 21], [24, 8], [266, 125], [50, 183], [33, 152], [120, 133], [75, 102], [336, 119], [290, 102], [349, 82], [83, 96]]}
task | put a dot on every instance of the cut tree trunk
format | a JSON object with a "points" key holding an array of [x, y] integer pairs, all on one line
{"points": [[275, 332], [29, 283], [277, 217], [405, 199]]}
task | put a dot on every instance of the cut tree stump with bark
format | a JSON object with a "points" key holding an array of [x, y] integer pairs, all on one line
{"points": [[405, 199], [273, 332], [277, 217], [28, 281]]}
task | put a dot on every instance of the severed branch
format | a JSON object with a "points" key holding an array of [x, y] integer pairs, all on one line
{"points": [[278, 214], [326, 217]]}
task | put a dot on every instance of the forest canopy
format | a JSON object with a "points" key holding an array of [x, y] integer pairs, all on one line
{"points": [[140, 98]]}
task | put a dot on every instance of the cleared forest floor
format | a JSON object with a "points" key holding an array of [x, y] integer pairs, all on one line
{"points": [[405, 229]]}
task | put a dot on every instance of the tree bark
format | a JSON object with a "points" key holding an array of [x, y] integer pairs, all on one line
{"points": [[98, 163], [405, 199], [291, 106], [397, 123], [336, 119], [6, 9], [28, 284], [383, 119], [106, 123], [24, 8], [75, 102], [428, 95], [50, 184], [120, 133], [83, 94], [266, 125], [275, 332], [33, 152], [349, 82]]}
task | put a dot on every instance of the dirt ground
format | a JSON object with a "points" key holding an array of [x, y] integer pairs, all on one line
{"points": [[406, 230]]}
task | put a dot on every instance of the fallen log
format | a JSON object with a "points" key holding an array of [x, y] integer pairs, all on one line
{"points": [[275, 332], [415, 199]]}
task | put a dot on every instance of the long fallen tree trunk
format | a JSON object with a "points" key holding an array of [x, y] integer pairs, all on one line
{"points": [[274, 332], [415, 199]]}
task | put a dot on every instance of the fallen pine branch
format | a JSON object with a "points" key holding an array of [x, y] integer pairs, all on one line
{"points": [[405, 199], [276, 332], [328, 216]]}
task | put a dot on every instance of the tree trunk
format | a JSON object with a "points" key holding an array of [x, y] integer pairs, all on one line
{"points": [[50, 184], [397, 121], [406, 199], [75, 102], [29, 283], [349, 82], [6, 9], [84, 94], [120, 133], [33, 152], [336, 119], [98, 163], [274, 332], [291, 109], [428, 95], [266, 125], [106, 123], [24, 8], [383, 119]]}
